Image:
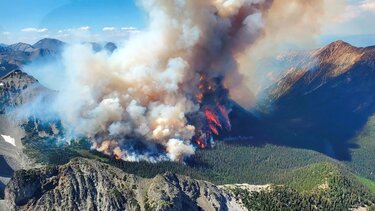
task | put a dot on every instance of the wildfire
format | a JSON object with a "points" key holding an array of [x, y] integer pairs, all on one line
{"points": [[211, 117], [212, 97], [110, 147], [200, 143], [213, 129]]}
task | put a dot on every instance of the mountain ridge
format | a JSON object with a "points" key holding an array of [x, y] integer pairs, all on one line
{"points": [[324, 102], [83, 184]]}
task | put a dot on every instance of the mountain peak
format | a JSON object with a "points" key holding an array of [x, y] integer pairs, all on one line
{"points": [[339, 56], [50, 44], [337, 48], [339, 43]]}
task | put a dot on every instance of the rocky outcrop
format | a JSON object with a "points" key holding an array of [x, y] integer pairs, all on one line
{"points": [[17, 88], [84, 184]]}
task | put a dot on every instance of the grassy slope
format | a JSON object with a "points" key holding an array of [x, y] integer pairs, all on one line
{"points": [[363, 157], [368, 183]]}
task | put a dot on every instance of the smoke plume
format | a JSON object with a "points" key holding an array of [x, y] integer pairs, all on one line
{"points": [[166, 90], [287, 25]]}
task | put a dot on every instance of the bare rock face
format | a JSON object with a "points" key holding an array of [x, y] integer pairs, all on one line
{"points": [[84, 184], [18, 88]]}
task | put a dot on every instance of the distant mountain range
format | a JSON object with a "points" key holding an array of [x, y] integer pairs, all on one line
{"points": [[15, 55]]}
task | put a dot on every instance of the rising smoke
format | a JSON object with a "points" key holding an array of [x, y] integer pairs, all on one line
{"points": [[166, 89]]}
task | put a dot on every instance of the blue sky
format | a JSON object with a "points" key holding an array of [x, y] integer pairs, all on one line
{"points": [[27, 20], [100, 20]]}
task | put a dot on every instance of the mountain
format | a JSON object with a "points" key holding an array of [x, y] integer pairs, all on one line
{"points": [[321, 102], [49, 44], [84, 184], [109, 46], [17, 88], [16, 55], [3, 47], [22, 53]]}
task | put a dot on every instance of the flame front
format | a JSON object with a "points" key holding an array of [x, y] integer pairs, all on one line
{"points": [[213, 99]]}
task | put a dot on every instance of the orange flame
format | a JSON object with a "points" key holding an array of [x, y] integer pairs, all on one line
{"points": [[213, 129], [200, 143], [211, 117], [216, 115]]}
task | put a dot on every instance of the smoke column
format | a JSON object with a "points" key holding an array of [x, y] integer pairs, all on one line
{"points": [[185, 63]]}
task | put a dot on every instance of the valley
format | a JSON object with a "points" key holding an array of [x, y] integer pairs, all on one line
{"points": [[325, 170]]}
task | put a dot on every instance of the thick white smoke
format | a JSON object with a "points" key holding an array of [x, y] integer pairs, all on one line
{"points": [[144, 91]]}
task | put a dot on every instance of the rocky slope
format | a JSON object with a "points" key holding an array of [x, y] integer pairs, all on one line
{"points": [[323, 99], [12, 159], [84, 184], [16, 88], [319, 66]]}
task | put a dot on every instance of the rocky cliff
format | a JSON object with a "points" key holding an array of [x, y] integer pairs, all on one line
{"points": [[84, 184]]}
